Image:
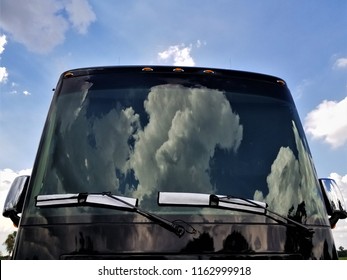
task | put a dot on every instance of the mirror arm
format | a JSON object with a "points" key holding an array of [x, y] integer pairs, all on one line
{"points": [[14, 218], [337, 216], [333, 200]]}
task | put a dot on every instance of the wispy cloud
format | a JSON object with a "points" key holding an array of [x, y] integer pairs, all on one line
{"points": [[329, 122], [3, 42], [48, 20], [80, 13], [301, 88], [200, 43], [16, 89], [3, 70], [3, 75], [341, 63]]}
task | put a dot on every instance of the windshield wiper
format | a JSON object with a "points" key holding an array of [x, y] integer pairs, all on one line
{"points": [[210, 200], [108, 200], [227, 202], [98, 199]]}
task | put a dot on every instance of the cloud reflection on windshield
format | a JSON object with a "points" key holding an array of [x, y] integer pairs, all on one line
{"points": [[185, 126], [292, 182]]}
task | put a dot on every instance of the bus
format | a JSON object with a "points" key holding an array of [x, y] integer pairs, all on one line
{"points": [[166, 162]]}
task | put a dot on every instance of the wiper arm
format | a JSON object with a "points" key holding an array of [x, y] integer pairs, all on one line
{"points": [[227, 202], [106, 200], [298, 225]]}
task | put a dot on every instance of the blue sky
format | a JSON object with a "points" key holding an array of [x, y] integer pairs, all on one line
{"points": [[303, 42]]}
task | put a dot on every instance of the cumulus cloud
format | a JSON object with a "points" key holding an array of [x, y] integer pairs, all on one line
{"points": [[173, 147], [178, 145], [6, 178], [329, 122], [36, 24], [41, 25], [288, 173], [179, 55], [102, 146]]}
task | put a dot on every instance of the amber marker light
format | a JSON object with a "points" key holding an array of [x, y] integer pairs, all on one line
{"points": [[147, 69], [208, 71], [178, 69], [281, 82], [68, 75]]}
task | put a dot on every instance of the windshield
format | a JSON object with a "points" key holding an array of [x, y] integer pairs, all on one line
{"points": [[137, 134]]}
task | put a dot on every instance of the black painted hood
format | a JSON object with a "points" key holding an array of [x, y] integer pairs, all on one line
{"points": [[150, 241]]}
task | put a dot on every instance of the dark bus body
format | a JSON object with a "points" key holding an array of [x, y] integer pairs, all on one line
{"points": [[173, 163]]}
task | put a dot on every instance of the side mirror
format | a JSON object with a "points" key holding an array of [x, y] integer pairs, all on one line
{"points": [[15, 199], [333, 199]]}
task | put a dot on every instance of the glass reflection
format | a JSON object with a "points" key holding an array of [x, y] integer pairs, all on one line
{"points": [[107, 135]]}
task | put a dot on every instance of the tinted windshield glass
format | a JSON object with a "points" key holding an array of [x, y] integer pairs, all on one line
{"points": [[135, 135]]}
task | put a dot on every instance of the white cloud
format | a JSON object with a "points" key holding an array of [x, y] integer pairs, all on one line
{"points": [[342, 183], [80, 14], [6, 178], [340, 231], [165, 148], [199, 43], [36, 24], [341, 63], [162, 150], [177, 55], [41, 25], [26, 93], [3, 75], [287, 173], [3, 42], [117, 124], [329, 122], [3, 70]]}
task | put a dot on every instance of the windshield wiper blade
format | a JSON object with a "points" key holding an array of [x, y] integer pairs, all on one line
{"points": [[227, 202], [99, 199], [210, 200], [106, 199]]}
